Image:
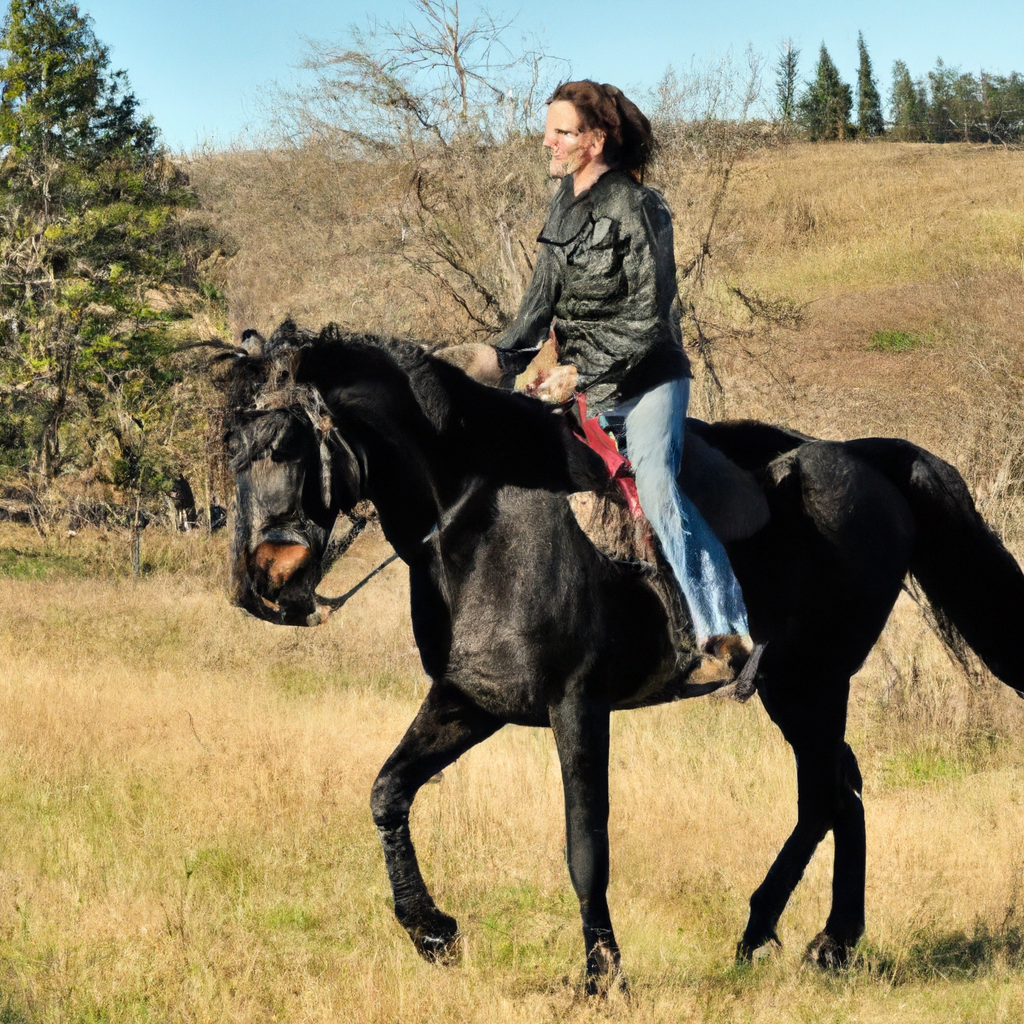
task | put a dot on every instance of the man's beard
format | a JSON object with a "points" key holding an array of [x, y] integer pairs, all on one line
{"points": [[562, 168]]}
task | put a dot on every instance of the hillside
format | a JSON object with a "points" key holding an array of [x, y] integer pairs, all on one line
{"points": [[882, 285], [185, 813]]}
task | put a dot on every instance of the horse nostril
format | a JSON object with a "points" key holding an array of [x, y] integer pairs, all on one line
{"points": [[279, 562]]}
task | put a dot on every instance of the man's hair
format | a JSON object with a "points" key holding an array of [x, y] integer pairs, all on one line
{"points": [[629, 142]]}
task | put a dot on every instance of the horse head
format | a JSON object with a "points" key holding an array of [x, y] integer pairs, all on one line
{"points": [[323, 421], [294, 475]]}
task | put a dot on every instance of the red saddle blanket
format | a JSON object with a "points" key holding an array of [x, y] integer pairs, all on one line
{"points": [[619, 468]]}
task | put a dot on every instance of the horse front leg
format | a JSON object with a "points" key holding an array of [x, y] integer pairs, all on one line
{"points": [[581, 728], [445, 727]]}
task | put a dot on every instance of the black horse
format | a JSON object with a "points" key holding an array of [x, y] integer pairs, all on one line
{"points": [[519, 619]]}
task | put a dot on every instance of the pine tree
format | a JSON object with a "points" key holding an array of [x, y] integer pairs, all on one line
{"points": [[824, 109], [89, 223], [869, 103], [785, 80], [908, 106], [59, 98]]}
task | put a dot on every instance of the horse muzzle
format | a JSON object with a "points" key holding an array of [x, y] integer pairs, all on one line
{"points": [[279, 562], [281, 580]]}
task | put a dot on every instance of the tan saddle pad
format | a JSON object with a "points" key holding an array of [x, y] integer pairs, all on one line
{"points": [[727, 496]]}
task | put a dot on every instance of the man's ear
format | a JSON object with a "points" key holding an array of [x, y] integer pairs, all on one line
{"points": [[596, 144]]}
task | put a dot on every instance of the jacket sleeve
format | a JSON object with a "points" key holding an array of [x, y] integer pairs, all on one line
{"points": [[521, 340]]}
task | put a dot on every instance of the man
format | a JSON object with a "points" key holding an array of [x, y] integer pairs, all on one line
{"points": [[605, 284]]}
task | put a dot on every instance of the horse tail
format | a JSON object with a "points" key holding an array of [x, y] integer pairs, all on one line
{"points": [[974, 585]]}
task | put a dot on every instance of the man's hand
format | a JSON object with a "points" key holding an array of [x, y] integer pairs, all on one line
{"points": [[555, 385], [476, 359]]}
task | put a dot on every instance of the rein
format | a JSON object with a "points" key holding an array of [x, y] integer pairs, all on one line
{"points": [[337, 548], [334, 603]]}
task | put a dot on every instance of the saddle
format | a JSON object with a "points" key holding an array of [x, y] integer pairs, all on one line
{"points": [[729, 498], [726, 495]]}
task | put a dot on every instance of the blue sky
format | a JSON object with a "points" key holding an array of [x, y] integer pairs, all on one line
{"points": [[198, 65]]}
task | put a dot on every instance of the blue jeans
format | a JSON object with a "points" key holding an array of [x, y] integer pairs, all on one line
{"points": [[655, 426]]}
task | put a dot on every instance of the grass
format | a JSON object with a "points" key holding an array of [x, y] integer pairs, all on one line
{"points": [[18, 564], [185, 831], [894, 341]]}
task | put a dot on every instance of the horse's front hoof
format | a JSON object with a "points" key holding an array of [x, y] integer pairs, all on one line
{"points": [[436, 937], [828, 953], [749, 945], [604, 972], [602, 984]]}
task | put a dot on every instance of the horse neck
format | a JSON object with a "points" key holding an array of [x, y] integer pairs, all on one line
{"points": [[416, 495]]}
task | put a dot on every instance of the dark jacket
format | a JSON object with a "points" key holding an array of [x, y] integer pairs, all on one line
{"points": [[606, 273]]}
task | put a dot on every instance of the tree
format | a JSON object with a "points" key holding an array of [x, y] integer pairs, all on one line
{"points": [[1002, 101], [58, 97], [956, 107], [824, 109], [90, 221], [435, 77], [908, 106], [869, 103], [785, 80], [445, 97]]}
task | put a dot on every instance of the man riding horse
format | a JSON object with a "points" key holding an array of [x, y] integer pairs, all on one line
{"points": [[606, 279]]}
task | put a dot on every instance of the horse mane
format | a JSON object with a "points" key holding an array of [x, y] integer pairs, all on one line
{"points": [[505, 436]]}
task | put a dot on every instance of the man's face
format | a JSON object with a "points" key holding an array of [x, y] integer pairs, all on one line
{"points": [[571, 149]]}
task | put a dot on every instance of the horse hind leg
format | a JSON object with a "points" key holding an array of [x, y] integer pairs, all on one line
{"points": [[445, 727], [828, 794], [833, 945], [772, 895]]}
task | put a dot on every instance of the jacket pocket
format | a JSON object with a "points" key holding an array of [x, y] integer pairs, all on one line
{"points": [[594, 264]]}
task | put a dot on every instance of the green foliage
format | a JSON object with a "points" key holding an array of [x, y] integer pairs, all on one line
{"points": [[894, 341], [953, 103], [59, 99], [908, 106], [869, 103], [965, 108], [949, 105], [785, 81], [92, 221], [824, 108]]}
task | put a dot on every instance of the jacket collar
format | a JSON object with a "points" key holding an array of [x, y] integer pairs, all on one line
{"points": [[571, 213]]}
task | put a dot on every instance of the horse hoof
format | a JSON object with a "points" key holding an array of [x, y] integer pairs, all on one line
{"points": [[437, 938], [746, 949], [604, 971], [601, 985], [827, 953]]}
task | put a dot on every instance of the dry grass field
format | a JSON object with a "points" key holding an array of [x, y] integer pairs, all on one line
{"points": [[184, 824], [186, 832]]}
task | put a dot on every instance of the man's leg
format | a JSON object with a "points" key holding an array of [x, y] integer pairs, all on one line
{"points": [[655, 429]]}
